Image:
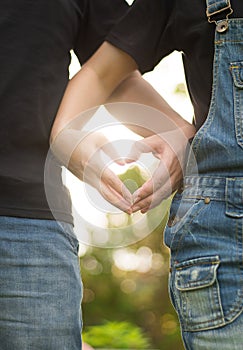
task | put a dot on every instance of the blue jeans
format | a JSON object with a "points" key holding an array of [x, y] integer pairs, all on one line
{"points": [[204, 234], [40, 286], [205, 228]]}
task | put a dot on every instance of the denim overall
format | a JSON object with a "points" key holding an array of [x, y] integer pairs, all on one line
{"points": [[205, 227]]}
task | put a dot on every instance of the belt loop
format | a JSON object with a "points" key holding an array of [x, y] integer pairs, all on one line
{"points": [[216, 8]]}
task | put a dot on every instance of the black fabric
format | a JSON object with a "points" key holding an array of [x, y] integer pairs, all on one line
{"points": [[36, 38], [154, 28]]}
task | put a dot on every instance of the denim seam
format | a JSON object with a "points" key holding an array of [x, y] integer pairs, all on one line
{"points": [[237, 117], [73, 243], [220, 315], [228, 210], [215, 294], [235, 309], [218, 199], [211, 113], [72, 239], [216, 262], [226, 41], [218, 326]]}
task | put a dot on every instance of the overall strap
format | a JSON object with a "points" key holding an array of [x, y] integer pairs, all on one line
{"points": [[216, 8]]}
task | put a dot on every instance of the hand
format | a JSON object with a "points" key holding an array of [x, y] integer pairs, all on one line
{"points": [[82, 154], [170, 148]]}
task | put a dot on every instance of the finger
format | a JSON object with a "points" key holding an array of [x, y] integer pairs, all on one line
{"points": [[96, 172], [137, 149], [142, 204], [115, 192], [158, 179], [153, 191], [112, 153], [115, 198], [108, 148], [97, 166], [145, 210], [144, 191], [108, 187], [115, 185], [152, 201]]}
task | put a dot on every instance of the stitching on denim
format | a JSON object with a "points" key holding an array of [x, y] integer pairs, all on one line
{"points": [[184, 226], [238, 304], [225, 41], [235, 310], [237, 91], [72, 239], [218, 321], [216, 262], [211, 112]]}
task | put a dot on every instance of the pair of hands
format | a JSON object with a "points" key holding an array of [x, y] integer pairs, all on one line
{"points": [[88, 164]]}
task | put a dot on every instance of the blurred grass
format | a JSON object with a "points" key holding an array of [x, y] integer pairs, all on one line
{"points": [[136, 296], [116, 335]]}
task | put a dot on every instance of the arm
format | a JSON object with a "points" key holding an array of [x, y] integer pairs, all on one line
{"points": [[93, 84], [110, 76], [90, 87], [137, 90], [112, 70]]}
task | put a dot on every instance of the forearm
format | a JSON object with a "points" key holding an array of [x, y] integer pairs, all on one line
{"points": [[92, 85], [135, 89], [79, 97]]}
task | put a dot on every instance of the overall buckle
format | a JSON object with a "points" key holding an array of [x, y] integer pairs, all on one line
{"points": [[221, 24]]}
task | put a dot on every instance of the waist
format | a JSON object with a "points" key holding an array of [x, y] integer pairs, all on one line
{"points": [[213, 187]]}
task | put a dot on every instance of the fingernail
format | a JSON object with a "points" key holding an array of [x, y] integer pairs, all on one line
{"points": [[136, 199], [129, 200], [121, 162], [136, 196], [129, 160], [135, 208]]}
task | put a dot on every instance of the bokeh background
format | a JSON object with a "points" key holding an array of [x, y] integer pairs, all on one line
{"points": [[126, 303]]}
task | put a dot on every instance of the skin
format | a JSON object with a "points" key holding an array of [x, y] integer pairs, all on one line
{"points": [[111, 75]]}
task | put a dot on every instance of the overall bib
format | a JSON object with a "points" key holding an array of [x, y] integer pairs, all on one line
{"points": [[205, 227]]}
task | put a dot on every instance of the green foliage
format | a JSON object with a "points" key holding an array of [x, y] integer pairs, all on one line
{"points": [[133, 178], [116, 335], [180, 89]]}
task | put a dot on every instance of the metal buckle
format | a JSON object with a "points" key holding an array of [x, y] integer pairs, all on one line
{"points": [[221, 25]]}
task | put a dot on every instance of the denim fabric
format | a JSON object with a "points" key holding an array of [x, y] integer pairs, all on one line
{"points": [[40, 286], [218, 6], [205, 227]]}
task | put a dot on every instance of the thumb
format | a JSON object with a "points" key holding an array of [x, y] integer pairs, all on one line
{"points": [[137, 149], [109, 149]]}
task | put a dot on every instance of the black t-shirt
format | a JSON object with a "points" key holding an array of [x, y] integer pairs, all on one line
{"points": [[152, 29], [36, 38]]}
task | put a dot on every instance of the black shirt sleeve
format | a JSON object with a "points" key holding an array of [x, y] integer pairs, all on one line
{"points": [[98, 17], [146, 32]]}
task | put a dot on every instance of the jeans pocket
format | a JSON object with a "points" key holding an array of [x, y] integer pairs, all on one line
{"points": [[236, 69], [182, 211], [67, 230], [196, 293]]}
